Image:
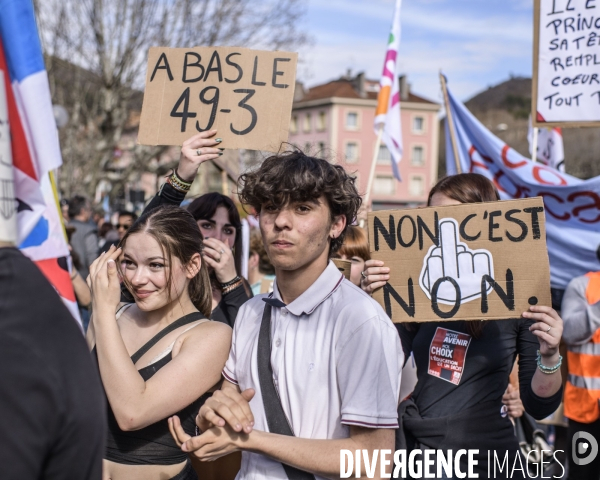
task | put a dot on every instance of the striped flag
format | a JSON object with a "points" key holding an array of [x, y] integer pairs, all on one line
{"points": [[387, 115], [34, 146]]}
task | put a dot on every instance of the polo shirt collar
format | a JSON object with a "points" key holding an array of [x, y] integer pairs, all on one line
{"points": [[317, 293]]}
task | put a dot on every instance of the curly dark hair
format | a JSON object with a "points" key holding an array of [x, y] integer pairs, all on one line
{"points": [[296, 177]]}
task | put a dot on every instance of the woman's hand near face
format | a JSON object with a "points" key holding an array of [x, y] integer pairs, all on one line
{"points": [[219, 257], [103, 281], [375, 276], [195, 151]]}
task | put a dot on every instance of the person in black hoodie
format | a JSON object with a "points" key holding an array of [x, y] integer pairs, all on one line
{"points": [[469, 414]]}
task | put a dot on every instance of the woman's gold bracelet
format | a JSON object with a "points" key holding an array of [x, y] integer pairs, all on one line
{"points": [[178, 184]]}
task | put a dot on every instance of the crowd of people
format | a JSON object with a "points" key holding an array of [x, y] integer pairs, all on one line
{"points": [[294, 363]]}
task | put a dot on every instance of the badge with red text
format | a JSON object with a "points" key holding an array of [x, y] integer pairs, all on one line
{"points": [[447, 354]]}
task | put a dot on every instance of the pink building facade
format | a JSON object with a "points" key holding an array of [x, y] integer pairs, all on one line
{"points": [[335, 121]]}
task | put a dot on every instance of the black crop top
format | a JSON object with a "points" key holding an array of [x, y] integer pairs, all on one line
{"points": [[152, 445]]}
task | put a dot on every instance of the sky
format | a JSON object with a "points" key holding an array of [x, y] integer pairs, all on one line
{"points": [[476, 43]]}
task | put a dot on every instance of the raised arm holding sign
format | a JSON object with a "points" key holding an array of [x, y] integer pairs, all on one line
{"points": [[245, 94]]}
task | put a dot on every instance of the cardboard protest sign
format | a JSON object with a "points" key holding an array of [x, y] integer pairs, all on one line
{"points": [[343, 266], [566, 79], [484, 261], [245, 94]]}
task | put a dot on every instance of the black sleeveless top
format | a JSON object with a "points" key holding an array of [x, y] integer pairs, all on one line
{"points": [[152, 445]]}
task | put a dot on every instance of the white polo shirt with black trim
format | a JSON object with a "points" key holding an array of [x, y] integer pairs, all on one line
{"points": [[336, 358]]}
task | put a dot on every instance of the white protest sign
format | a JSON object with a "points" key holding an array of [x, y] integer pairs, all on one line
{"points": [[566, 72]]}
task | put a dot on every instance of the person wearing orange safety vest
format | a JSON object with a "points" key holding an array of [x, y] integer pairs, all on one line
{"points": [[581, 316]]}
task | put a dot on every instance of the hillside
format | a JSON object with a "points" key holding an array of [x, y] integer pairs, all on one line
{"points": [[504, 109]]}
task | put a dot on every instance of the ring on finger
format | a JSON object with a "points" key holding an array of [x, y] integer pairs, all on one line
{"points": [[219, 259], [221, 251], [549, 328], [198, 152], [363, 275]]}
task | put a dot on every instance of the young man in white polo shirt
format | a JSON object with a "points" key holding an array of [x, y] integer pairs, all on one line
{"points": [[325, 372]]}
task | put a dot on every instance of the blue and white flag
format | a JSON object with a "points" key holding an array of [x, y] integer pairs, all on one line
{"points": [[572, 205]]}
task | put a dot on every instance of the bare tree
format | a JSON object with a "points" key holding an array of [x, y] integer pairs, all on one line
{"points": [[96, 54]]}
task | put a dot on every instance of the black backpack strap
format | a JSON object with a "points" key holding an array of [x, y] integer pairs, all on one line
{"points": [[192, 317], [276, 419]]}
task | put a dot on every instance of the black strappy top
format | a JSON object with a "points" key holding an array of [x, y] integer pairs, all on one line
{"points": [[152, 445]]}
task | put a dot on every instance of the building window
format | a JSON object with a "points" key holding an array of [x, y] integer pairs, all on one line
{"points": [[294, 124], [384, 185], [418, 125], [307, 123], [351, 152], [321, 147], [307, 148], [384, 157], [416, 187], [321, 121], [352, 120], [418, 156]]}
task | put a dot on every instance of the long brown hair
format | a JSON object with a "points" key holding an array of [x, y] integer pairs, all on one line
{"points": [[179, 236], [467, 188]]}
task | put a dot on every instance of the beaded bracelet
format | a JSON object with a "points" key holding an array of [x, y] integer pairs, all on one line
{"points": [[233, 287], [181, 180], [231, 282], [178, 184], [544, 368]]}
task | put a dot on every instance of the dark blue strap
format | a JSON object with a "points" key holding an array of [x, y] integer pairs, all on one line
{"points": [[276, 419]]}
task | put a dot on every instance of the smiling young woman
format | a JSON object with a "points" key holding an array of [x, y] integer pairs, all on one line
{"points": [[160, 355]]}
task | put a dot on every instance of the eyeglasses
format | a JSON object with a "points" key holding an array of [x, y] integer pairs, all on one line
{"points": [[124, 227]]}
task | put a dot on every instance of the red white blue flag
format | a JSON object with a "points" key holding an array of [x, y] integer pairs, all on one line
{"points": [[34, 147]]}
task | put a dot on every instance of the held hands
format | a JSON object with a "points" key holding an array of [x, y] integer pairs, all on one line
{"points": [[104, 283], [226, 420], [227, 407], [195, 151], [548, 328], [212, 444], [219, 257]]}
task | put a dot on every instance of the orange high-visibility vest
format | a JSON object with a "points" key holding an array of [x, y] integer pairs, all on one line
{"points": [[582, 391]]}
